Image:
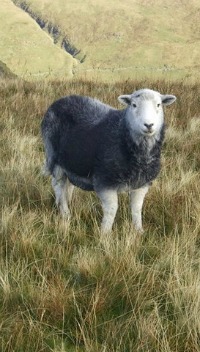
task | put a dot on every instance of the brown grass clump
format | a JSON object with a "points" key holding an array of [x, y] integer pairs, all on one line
{"points": [[61, 288]]}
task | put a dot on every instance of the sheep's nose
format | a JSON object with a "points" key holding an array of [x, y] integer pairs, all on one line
{"points": [[148, 126]]}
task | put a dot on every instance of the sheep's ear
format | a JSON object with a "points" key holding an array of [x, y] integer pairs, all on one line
{"points": [[125, 99], [168, 99]]}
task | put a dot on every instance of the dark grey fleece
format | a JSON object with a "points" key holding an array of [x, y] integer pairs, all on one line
{"points": [[93, 145]]}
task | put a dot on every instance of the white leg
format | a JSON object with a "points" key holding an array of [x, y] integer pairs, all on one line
{"points": [[137, 198], [60, 187], [70, 189], [109, 202]]}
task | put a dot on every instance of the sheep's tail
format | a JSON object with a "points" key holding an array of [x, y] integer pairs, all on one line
{"points": [[45, 169], [50, 136], [50, 162]]}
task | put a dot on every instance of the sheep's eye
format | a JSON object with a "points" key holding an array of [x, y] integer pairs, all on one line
{"points": [[134, 105], [158, 105]]}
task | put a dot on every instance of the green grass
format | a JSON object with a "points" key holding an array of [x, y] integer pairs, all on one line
{"points": [[27, 50], [61, 288], [142, 37]]}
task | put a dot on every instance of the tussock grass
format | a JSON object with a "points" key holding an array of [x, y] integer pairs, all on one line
{"points": [[62, 286]]}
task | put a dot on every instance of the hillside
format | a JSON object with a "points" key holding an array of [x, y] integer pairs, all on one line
{"points": [[133, 37], [27, 50]]}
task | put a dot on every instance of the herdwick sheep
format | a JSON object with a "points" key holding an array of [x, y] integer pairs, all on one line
{"points": [[95, 147]]}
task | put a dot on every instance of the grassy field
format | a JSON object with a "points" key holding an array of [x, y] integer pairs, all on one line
{"points": [[64, 290], [27, 50], [128, 39]]}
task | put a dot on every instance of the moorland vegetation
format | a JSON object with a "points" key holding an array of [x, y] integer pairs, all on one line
{"points": [[61, 288]]}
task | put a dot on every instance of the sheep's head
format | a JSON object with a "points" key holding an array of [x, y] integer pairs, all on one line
{"points": [[145, 111]]}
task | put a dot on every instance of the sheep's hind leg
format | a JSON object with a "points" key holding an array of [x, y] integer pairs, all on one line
{"points": [[70, 189], [137, 199], [59, 184], [109, 202]]}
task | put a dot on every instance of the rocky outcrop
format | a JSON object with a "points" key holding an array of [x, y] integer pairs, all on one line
{"points": [[53, 30], [5, 72]]}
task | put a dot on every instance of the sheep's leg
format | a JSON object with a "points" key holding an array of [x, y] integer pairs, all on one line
{"points": [[137, 198], [109, 202], [60, 189], [70, 189]]}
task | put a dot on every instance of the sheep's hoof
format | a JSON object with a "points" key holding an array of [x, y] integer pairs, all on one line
{"points": [[139, 230], [65, 215], [105, 230]]}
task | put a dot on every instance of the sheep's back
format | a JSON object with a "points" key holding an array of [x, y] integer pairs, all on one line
{"points": [[80, 110], [76, 126]]}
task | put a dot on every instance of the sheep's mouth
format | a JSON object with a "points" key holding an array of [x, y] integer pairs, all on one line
{"points": [[148, 133]]}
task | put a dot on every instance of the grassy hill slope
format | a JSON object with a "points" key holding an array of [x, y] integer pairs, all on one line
{"points": [[129, 36], [26, 49]]}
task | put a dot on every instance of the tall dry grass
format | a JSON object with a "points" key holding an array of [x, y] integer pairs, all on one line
{"points": [[61, 288]]}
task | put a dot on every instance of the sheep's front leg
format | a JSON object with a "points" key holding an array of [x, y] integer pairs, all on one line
{"points": [[137, 198], [109, 202]]}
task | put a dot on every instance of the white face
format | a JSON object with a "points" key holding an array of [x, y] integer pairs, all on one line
{"points": [[145, 111]]}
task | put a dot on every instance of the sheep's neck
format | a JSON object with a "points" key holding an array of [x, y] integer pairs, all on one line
{"points": [[142, 145]]}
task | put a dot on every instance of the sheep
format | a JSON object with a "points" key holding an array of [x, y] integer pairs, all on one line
{"points": [[98, 148]]}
